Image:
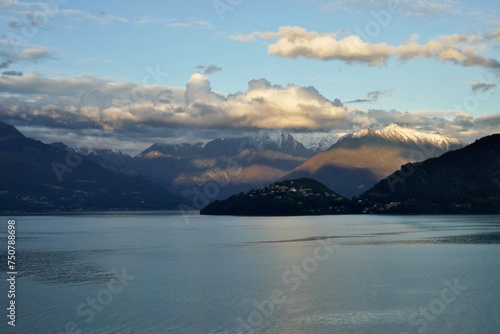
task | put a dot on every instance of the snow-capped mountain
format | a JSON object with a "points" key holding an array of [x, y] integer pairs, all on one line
{"points": [[361, 159], [238, 164], [170, 150], [349, 165], [281, 142], [402, 133], [317, 141]]}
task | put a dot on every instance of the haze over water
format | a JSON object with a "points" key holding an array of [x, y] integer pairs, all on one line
{"points": [[157, 273]]}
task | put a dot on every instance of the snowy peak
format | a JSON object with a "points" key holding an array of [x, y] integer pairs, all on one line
{"points": [[278, 138], [283, 141], [170, 150], [101, 152], [317, 141], [406, 134]]}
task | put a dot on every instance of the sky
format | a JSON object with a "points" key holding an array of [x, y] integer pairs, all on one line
{"points": [[126, 74]]}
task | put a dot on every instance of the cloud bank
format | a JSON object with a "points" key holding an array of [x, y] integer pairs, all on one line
{"points": [[132, 117], [121, 105]]}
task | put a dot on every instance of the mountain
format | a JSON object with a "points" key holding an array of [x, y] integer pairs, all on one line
{"points": [[36, 177], [287, 198], [111, 159], [463, 181], [229, 165], [164, 163], [317, 142], [360, 159]]}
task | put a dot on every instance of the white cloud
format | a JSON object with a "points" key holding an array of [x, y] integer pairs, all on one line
{"points": [[293, 42]]}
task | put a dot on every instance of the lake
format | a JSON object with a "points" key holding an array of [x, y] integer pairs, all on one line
{"points": [[155, 273]]}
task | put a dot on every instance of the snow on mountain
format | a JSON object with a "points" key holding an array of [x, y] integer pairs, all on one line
{"points": [[170, 150], [313, 141], [400, 133], [100, 152], [317, 141], [282, 141], [276, 137]]}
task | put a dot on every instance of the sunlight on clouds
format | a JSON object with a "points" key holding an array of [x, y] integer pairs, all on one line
{"points": [[292, 42], [84, 103], [116, 106]]}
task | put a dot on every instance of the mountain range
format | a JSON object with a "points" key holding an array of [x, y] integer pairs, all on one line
{"points": [[461, 181], [36, 177], [359, 160], [464, 181], [231, 164], [349, 166], [227, 166]]}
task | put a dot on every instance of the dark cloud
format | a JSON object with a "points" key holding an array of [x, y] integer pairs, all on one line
{"points": [[212, 69], [31, 84], [338, 103], [5, 63], [372, 96], [359, 101], [13, 73], [482, 87], [490, 120], [15, 25]]}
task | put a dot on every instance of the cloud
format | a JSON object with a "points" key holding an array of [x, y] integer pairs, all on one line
{"points": [[482, 87], [36, 85], [492, 121], [89, 100], [372, 96], [12, 51], [13, 73], [192, 23], [212, 69], [5, 63], [293, 42], [254, 36], [36, 14], [35, 54], [338, 103]]}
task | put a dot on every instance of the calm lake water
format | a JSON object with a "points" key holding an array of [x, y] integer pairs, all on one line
{"points": [[164, 273]]}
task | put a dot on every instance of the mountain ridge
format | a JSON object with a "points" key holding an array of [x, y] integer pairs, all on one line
{"points": [[360, 159], [405, 133], [460, 181], [37, 177]]}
